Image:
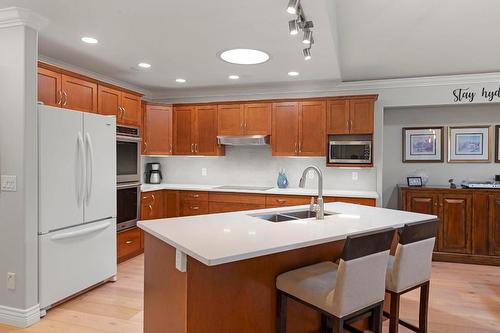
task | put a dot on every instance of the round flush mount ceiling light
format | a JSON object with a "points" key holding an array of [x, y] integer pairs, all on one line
{"points": [[89, 40], [234, 77], [244, 56], [293, 73], [179, 80], [144, 65]]}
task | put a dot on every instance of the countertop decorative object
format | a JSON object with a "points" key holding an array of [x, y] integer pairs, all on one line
{"points": [[282, 179]]}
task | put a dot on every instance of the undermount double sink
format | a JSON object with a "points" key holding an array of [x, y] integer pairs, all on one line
{"points": [[288, 215]]}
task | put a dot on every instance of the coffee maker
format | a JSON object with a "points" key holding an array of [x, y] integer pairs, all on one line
{"points": [[153, 173]]}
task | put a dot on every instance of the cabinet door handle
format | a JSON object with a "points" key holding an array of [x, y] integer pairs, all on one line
{"points": [[192, 147], [129, 242], [59, 97], [347, 124], [245, 125], [195, 147], [150, 209], [153, 196], [242, 126], [350, 126], [145, 145], [300, 147], [65, 98], [295, 147], [171, 148], [123, 112]]}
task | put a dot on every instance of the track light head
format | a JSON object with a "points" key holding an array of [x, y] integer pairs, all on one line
{"points": [[307, 53], [308, 37], [293, 27], [293, 6]]}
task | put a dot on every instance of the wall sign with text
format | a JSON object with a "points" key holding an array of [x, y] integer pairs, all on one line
{"points": [[468, 95]]}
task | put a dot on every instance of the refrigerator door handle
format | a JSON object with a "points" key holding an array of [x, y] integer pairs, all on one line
{"points": [[89, 166], [82, 232], [82, 182]]}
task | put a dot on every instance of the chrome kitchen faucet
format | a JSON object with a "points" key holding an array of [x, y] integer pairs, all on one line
{"points": [[320, 207]]}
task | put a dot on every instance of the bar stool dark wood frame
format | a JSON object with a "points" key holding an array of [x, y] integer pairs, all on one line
{"points": [[412, 233], [354, 247]]}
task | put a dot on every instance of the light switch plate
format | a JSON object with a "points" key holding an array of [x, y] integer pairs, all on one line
{"points": [[8, 183], [355, 175], [203, 171], [11, 281]]}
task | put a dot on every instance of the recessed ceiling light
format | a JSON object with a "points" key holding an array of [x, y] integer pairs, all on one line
{"points": [[89, 40], [234, 77], [244, 56], [144, 65], [293, 73], [179, 80]]}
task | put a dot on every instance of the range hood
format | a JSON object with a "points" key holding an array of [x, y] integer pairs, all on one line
{"points": [[243, 140]]}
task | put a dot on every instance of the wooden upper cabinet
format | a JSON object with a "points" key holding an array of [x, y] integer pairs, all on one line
{"points": [[183, 137], [338, 118], [78, 94], [230, 119], [456, 223], [361, 116], [157, 130], [205, 131], [285, 131], [312, 128], [131, 110], [109, 101], [244, 119], [49, 87], [257, 119], [350, 116]]}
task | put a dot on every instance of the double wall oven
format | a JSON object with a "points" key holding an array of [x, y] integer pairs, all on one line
{"points": [[128, 176]]}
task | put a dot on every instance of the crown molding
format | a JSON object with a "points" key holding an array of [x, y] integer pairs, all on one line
{"points": [[16, 16], [316, 88]]}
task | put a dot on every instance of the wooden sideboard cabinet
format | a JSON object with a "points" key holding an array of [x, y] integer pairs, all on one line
{"points": [[469, 227]]}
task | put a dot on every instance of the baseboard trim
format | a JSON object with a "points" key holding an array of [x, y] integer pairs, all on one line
{"points": [[19, 317], [466, 258]]}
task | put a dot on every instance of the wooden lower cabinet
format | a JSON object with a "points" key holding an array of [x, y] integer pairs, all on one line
{"points": [[152, 205], [220, 202], [129, 244], [469, 227]]}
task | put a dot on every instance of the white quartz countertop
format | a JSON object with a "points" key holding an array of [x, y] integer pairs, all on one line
{"points": [[222, 238], [274, 190]]}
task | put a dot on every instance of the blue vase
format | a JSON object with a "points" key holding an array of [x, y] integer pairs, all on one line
{"points": [[282, 180]]}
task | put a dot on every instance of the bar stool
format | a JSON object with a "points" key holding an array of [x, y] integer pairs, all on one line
{"points": [[409, 269], [345, 292]]}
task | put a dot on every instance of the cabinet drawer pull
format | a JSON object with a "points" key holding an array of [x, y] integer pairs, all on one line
{"points": [[196, 196], [280, 200], [194, 207], [129, 242]]}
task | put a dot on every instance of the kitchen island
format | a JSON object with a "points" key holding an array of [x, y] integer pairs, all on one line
{"points": [[216, 273]]}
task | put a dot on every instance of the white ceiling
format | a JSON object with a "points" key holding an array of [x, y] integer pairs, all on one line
{"points": [[410, 38], [355, 40]]}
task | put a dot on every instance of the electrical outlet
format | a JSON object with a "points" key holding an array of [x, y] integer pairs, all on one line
{"points": [[203, 171], [8, 183], [310, 174], [11, 281], [355, 175]]}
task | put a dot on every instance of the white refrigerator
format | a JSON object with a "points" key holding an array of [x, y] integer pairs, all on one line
{"points": [[77, 202]]}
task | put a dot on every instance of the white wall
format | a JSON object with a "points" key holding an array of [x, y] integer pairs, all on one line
{"points": [[395, 171], [256, 166], [18, 156]]}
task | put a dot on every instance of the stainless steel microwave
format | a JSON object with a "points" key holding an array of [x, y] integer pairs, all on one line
{"points": [[350, 152]]}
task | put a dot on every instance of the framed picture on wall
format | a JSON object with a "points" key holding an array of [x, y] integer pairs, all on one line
{"points": [[468, 144], [497, 140], [423, 144]]}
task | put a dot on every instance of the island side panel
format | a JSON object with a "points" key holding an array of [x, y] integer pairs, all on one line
{"points": [[241, 296], [165, 296]]}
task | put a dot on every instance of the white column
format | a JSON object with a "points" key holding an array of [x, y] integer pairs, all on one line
{"points": [[18, 158]]}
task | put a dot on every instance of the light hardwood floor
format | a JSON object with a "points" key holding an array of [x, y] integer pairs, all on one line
{"points": [[464, 299]]}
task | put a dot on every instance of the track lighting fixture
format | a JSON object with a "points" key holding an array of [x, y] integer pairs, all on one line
{"points": [[307, 53], [300, 23], [293, 27], [293, 6], [307, 39]]}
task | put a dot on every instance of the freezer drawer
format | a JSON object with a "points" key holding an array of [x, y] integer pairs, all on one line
{"points": [[74, 259]]}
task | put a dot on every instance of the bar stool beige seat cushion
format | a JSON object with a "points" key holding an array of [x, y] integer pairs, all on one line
{"points": [[410, 266], [338, 289]]}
